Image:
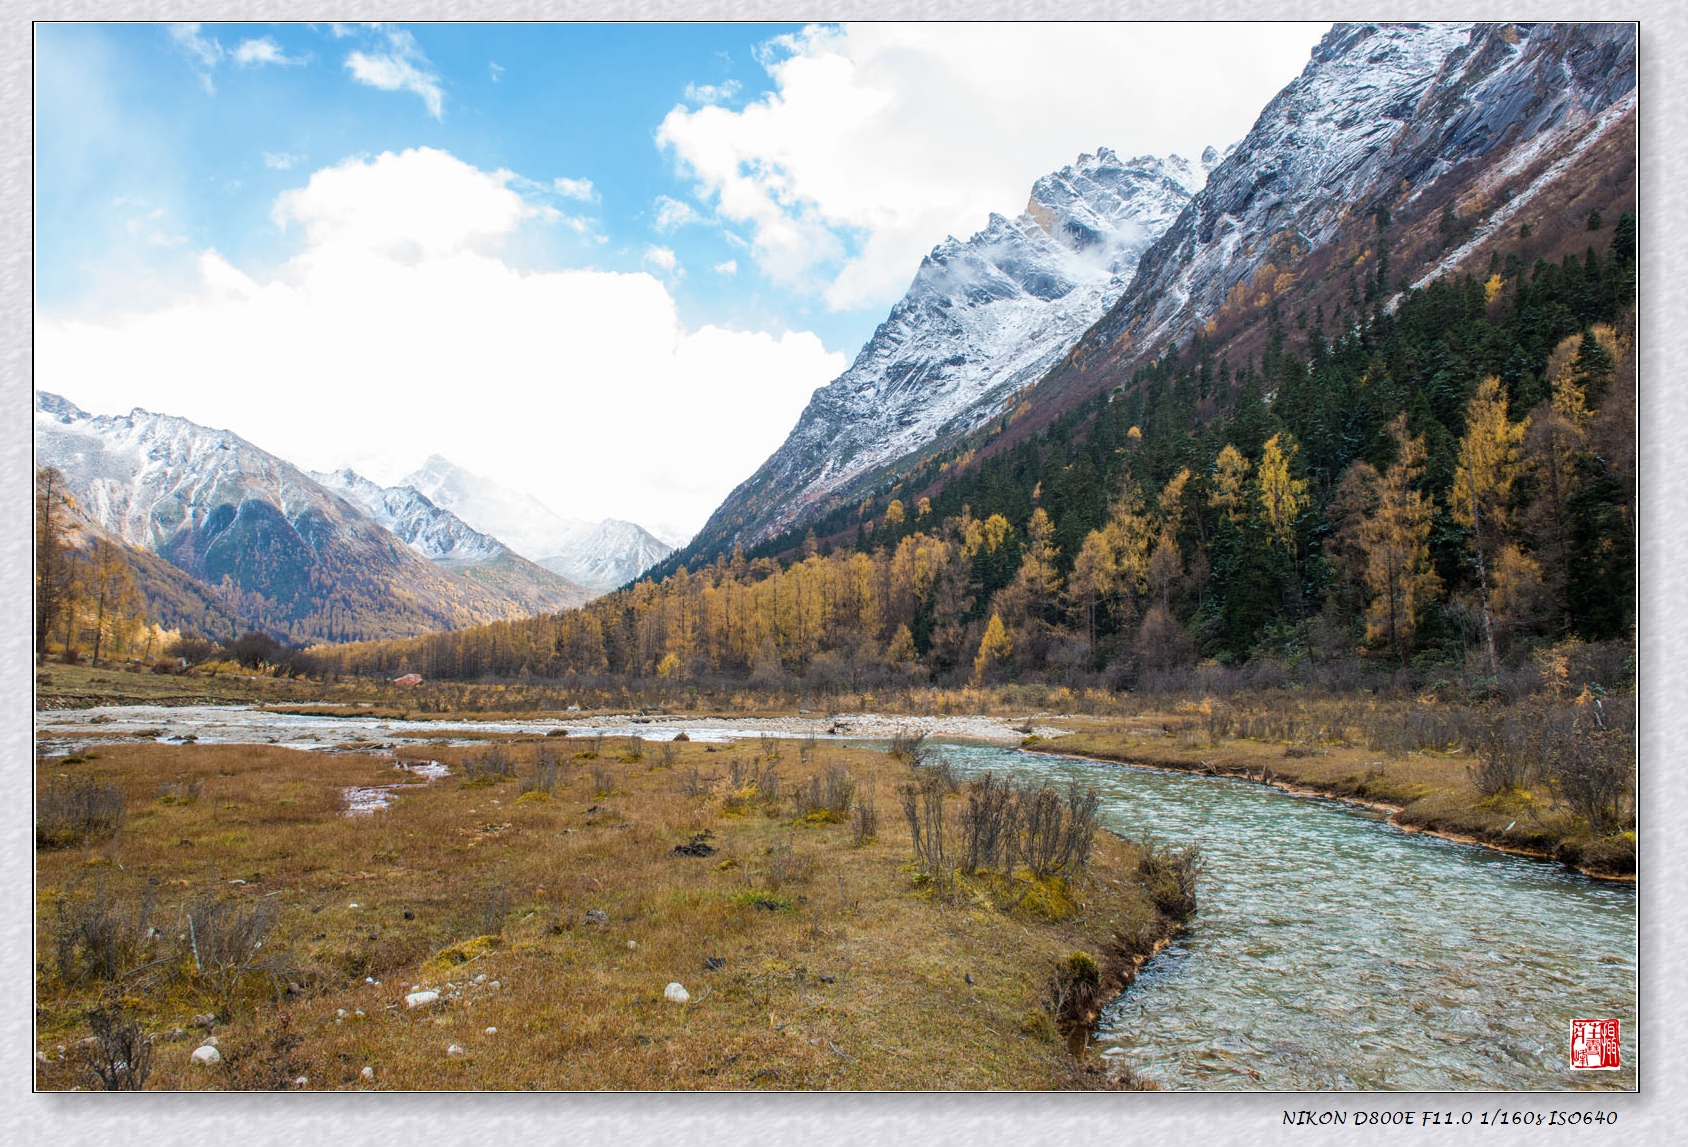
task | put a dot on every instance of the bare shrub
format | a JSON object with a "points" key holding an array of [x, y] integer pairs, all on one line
{"points": [[864, 821], [826, 796], [987, 825], [226, 940], [542, 780], [119, 1058], [691, 783], [1169, 875], [493, 763], [633, 750], [669, 751], [604, 781], [784, 865], [923, 805], [770, 747], [95, 935], [1505, 752], [806, 748], [1056, 836], [910, 748], [1591, 762], [77, 811]]}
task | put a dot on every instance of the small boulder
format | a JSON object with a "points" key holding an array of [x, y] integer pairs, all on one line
{"points": [[207, 1056], [368, 1073], [453, 1049], [597, 916], [206, 1020], [421, 999], [210, 1041], [681, 737], [491, 1031], [675, 994]]}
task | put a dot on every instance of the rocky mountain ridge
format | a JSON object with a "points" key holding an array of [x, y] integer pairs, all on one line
{"points": [[982, 319], [271, 546]]}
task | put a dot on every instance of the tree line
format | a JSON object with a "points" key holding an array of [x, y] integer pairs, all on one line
{"points": [[1447, 483]]}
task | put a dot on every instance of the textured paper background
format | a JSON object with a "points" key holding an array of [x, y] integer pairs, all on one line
{"points": [[1656, 1115]]}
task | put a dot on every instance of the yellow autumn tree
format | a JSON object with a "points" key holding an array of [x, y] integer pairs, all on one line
{"points": [[1230, 480], [1395, 540], [1092, 579], [994, 649], [1282, 496], [1488, 456]]}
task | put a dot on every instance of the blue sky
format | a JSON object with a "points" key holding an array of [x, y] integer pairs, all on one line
{"points": [[603, 263]]}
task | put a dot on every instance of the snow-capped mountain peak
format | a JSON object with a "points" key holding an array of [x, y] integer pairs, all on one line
{"points": [[983, 318], [436, 534], [598, 555]]}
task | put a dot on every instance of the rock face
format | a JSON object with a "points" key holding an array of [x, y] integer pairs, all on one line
{"points": [[983, 319], [1383, 115], [598, 555], [257, 535]]}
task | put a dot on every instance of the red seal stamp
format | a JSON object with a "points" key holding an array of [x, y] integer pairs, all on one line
{"points": [[1594, 1045]]}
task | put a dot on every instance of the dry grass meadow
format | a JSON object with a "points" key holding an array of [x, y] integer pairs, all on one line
{"points": [[813, 952]]}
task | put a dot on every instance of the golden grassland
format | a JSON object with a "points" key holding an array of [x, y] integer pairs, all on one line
{"points": [[552, 924], [1425, 790]]}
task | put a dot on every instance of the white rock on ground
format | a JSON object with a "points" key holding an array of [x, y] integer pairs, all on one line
{"points": [[675, 994], [491, 1031], [207, 1055], [454, 1050], [368, 1073], [420, 999]]}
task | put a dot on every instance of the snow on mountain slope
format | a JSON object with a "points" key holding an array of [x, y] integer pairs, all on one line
{"points": [[982, 319], [436, 534], [1381, 115], [277, 549], [608, 554], [598, 555]]}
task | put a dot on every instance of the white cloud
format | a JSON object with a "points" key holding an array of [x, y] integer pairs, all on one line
{"points": [[880, 139], [712, 93], [393, 333], [673, 213], [265, 51], [574, 188], [662, 257], [399, 66], [730, 267], [204, 49], [148, 226], [280, 160], [495, 69]]}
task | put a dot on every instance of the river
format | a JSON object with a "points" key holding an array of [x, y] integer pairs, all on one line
{"points": [[1330, 951]]}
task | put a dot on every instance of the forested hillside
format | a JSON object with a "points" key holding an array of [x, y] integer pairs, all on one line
{"points": [[1450, 483]]}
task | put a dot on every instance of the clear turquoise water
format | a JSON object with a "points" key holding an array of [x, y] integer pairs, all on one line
{"points": [[1333, 951]]}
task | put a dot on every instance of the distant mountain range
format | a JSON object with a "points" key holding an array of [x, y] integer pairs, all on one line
{"points": [[224, 536], [598, 555]]}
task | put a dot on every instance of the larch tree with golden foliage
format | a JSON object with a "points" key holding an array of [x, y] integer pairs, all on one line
{"points": [[994, 648], [1396, 543], [1488, 459]]}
